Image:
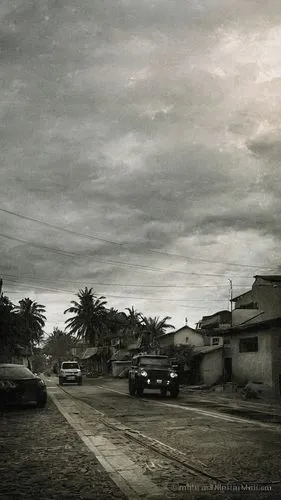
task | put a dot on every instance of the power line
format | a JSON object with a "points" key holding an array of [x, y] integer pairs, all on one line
{"points": [[126, 264], [91, 237], [114, 296], [32, 285], [58, 228], [133, 285], [205, 260]]}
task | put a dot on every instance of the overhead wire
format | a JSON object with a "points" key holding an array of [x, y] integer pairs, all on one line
{"points": [[32, 285], [104, 240], [127, 285], [126, 264]]}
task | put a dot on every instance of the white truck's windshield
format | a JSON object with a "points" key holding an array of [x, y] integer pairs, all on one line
{"points": [[67, 366]]}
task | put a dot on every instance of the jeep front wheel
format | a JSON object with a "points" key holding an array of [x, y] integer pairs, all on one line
{"points": [[139, 391], [175, 393], [131, 388]]}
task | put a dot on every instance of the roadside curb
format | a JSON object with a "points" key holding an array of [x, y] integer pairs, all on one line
{"points": [[127, 476]]}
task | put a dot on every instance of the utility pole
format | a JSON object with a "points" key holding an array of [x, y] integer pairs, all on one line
{"points": [[231, 297]]}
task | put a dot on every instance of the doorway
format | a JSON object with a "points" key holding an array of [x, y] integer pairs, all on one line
{"points": [[227, 369]]}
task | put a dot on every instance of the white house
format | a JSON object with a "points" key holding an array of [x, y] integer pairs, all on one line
{"points": [[183, 336]]}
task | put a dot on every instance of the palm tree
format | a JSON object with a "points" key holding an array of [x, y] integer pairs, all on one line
{"points": [[58, 344], [134, 319], [9, 336], [89, 316], [151, 329], [31, 321], [115, 324]]}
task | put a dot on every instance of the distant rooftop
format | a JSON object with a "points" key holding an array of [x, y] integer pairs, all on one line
{"points": [[224, 311], [273, 277]]}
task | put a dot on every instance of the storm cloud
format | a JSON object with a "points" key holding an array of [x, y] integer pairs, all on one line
{"points": [[143, 126]]}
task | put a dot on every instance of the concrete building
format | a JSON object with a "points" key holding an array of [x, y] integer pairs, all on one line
{"points": [[252, 352], [261, 303], [183, 336], [218, 320], [208, 364]]}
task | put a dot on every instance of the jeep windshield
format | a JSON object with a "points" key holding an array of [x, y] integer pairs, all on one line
{"points": [[70, 366], [155, 362]]}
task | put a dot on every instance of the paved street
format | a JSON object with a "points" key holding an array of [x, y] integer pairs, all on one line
{"points": [[187, 448], [43, 458]]}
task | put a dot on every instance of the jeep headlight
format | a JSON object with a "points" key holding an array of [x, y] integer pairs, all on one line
{"points": [[143, 373], [173, 374]]}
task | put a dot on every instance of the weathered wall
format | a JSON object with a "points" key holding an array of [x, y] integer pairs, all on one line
{"points": [[276, 360], [266, 295], [187, 336], [239, 316], [211, 367], [120, 368], [252, 366], [184, 336]]}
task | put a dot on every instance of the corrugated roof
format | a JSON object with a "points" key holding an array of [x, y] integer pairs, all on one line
{"points": [[89, 353], [206, 349], [121, 355], [241, 295], [273, 277], [216, 314]]}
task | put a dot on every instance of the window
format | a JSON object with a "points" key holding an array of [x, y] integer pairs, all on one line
{"points": [[251, 305], [249, 345], [69, 366], [15, 372], [215, 341], [186, 339], [155, 362], [226, 341]]}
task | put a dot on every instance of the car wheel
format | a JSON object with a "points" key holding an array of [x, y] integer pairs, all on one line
{"points": [[163, 391], [131, 388], [139, 391], [174, 393], [60, 381], [79, 382], [41, 403]]}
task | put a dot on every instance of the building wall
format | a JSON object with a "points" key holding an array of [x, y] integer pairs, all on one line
{"points": [[188, 336], [276, 361], [211, 367], [184, 336], [218, 320], [240, 316], [252, 366], [267, 296]]}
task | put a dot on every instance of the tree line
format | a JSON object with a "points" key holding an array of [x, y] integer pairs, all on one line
{"points": [[21, 326], [90, 320], [93, 322]]}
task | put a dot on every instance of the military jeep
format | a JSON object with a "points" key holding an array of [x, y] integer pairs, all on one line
{"points": [[152, 372]]}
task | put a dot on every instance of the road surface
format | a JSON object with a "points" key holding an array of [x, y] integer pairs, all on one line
{"points": [[186, 447]]}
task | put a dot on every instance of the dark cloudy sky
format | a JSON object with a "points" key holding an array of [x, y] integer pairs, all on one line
{"points": [[152, 124]]}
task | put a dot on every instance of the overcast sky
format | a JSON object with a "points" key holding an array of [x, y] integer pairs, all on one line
{"points": [[149, 126]]}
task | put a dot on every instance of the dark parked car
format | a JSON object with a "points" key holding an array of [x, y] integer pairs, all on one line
{"points": [[153, 372], [18, 385]]}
